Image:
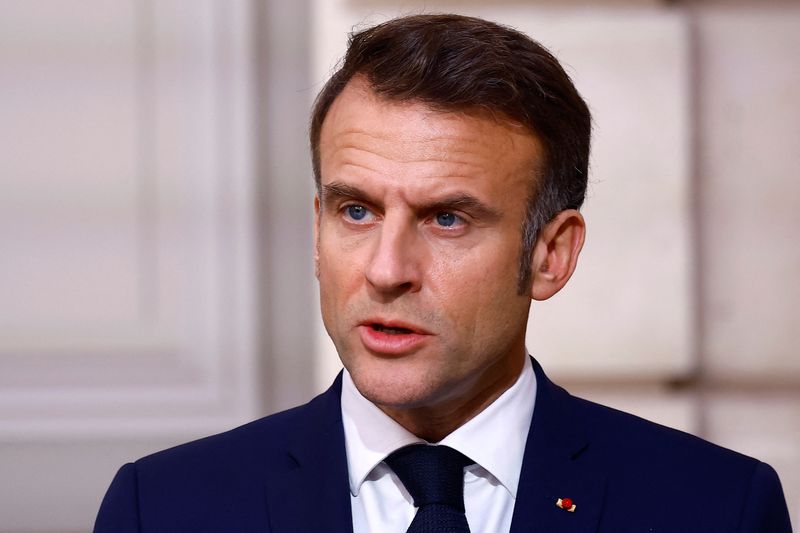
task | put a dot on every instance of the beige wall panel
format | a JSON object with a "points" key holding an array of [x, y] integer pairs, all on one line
{"points": [[126, 224], [653, 402], [627, 311], [68, 172], [765, 426], [128, 279], [750, 152]]}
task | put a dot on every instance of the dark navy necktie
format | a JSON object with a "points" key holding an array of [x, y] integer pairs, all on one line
{"points": [[434, 476]]}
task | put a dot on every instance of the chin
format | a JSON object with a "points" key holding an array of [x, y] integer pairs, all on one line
{"points": [[398, 388]]}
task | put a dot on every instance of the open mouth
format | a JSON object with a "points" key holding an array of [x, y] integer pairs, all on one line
{"points": [[390, 331], [389, 337]]}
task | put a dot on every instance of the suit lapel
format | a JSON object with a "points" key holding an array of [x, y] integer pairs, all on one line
{"points": [[311, 492], [552, 468]]}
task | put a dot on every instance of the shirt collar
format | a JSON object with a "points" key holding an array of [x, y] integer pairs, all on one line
{"points": [[371, 435]]}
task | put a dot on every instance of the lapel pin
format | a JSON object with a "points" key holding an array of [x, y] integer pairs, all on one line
{"points": [[566, 504]]}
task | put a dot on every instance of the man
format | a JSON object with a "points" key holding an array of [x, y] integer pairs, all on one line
{"points": [[450, 157]]}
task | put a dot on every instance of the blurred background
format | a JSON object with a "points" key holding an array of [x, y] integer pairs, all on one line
{"points": [[155, 225]]}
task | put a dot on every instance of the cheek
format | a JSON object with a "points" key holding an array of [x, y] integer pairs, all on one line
{"points": [[481, 283], [342, 250], [491, 263], [339, 275]]}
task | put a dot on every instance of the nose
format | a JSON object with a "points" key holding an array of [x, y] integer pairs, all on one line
{"points": [[394, 267]]}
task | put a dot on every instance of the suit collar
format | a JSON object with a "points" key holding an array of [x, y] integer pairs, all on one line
{"points": [[311, 490], [310, 493], [553, 468]]}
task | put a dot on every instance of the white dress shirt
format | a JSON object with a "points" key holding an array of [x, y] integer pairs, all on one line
{"points": [[495, 439]]}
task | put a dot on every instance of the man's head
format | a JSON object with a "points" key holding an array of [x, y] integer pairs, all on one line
{"points": [[455, 63], [429, 144]]}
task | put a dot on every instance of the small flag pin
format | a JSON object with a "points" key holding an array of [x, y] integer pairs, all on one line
{"points": [[566, 504]]}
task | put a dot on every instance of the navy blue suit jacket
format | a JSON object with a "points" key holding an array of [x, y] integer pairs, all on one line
{"points": [[287, 473]]}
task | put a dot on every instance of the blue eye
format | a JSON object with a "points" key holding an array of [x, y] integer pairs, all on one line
{"points": [[356, 212], [446, 219]]}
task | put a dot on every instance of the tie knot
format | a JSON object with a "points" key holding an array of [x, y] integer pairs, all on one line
{"points": [[431, 474]]}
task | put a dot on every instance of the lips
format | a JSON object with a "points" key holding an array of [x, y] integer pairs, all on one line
{"points": [[393, 326], [391, 331], [392, 337]]}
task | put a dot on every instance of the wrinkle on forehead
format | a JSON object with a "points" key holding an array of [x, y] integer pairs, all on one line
{"points": [[366, 132], [354, 161], [435, 133], [451, 147], [430, 158]]}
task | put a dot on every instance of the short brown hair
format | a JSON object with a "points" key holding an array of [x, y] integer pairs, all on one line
{"points": [[457, 63]]}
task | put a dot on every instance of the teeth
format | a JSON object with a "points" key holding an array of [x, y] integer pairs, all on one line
{"points": [[391, 331]]}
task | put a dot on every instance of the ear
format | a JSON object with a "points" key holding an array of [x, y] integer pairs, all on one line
{"points": [[316, 235], [555, 253]]}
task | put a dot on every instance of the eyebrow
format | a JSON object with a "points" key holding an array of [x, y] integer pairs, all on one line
{"points": [[459, 201], [337, 190], [464, 202], [332, 193]]}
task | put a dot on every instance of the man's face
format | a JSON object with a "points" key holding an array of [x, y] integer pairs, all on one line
{"points": [[418, 239]]}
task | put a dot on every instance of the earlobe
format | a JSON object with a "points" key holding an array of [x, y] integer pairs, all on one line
{"points": [[556, 252]]}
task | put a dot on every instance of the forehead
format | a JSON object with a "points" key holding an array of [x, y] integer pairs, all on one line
{"points": [[375, 129]]}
